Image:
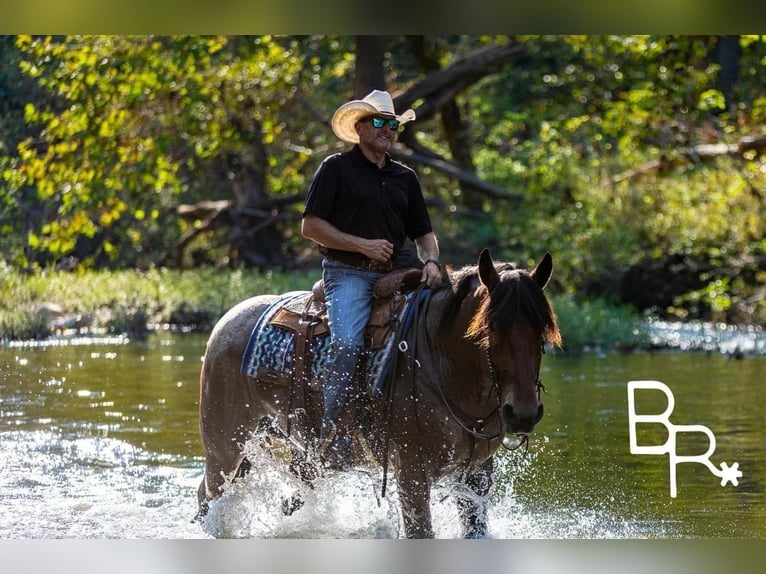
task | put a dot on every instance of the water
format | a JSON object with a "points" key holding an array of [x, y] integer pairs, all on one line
{"points": [[98, 439]]}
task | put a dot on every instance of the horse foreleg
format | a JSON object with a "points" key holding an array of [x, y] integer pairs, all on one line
{"points": [[202, 501], [415, 499], [473, 505], [302, 467]]}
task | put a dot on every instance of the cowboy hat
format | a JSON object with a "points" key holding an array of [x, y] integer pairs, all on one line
{"points": [[376, 102]]}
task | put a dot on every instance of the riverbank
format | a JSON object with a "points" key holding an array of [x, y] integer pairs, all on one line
{"points": [[129, 302], [137, 303]]}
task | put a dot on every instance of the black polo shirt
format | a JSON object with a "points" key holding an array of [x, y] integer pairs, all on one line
{"points": [[356, 196]]}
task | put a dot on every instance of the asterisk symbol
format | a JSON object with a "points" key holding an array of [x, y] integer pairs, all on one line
{"points": [[730, 473]]}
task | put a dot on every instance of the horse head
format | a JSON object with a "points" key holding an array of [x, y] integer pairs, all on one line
{"points": [[513, 323]]}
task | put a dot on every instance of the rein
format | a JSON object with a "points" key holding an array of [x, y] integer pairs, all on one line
{"points": [[474, 429], [403, 347]]}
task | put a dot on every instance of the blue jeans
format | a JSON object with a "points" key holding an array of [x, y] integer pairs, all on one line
{"points": [[348, 293]]}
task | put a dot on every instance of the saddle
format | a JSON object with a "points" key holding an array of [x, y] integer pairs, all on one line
{"points": [[306, 317]]}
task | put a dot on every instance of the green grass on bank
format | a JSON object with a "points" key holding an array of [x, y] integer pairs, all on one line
{"points": [[599, 325], [127, 301]]}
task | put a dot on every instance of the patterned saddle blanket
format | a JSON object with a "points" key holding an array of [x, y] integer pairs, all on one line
{"points": [[270, 352]]}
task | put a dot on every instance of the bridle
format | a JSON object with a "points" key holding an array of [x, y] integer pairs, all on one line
{"points": [[474, 429]]}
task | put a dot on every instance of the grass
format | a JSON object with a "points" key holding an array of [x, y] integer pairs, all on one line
{"points": [[131, 302], [599, 325]]}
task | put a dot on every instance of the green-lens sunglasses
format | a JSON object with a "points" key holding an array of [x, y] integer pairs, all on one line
{"points": [[378, 122]]}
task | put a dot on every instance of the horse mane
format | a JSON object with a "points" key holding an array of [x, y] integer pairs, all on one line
{"points": [[517, 296]]}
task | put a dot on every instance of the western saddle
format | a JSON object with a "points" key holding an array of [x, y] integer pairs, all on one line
{"points": [[306, 318]]}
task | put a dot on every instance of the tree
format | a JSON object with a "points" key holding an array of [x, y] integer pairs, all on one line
{"points": [[436, 88], [607, 149], [136, 122]]}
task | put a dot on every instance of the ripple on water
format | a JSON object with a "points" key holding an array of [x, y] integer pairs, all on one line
{"points": [[58, 487], [711, 337]]}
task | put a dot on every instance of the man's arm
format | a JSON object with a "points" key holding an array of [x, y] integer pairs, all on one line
{"points": [[428, 253], [325, 233]]}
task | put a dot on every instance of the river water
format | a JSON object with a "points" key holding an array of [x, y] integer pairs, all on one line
{"points": [[98, 439]]}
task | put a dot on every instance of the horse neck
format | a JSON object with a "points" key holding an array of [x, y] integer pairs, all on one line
{"points": [[459, 366]]}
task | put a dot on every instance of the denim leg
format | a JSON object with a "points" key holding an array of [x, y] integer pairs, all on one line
{"points": [[348, 293]]}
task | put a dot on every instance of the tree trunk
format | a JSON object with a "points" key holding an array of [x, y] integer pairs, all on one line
{"points": [[456, 129], [727, 53], [370, 70]]}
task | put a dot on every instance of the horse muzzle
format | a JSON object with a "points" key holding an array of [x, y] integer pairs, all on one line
{"points": [[517, 420]]}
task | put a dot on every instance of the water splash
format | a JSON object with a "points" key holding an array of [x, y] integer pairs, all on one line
{"points": [[346, 505], [349, 506], [55, 486]]}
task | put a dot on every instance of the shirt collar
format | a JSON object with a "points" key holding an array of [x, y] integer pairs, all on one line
{"points": [[359, 157]]}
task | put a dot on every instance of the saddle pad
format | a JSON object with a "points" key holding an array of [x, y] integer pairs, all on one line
{"points": [[271, 347]]}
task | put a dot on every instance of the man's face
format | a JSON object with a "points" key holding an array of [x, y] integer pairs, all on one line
{"points": [[377, 138]]}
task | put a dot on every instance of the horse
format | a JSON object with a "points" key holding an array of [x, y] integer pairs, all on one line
{"points": [[468, 382]]}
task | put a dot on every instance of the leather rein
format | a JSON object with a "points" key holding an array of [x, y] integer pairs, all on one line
{"points": [[477, 426]]}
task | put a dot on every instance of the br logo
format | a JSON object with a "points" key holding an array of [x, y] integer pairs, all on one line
{"points": [[726, 473]]}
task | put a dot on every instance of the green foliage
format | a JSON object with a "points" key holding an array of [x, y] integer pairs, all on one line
{"points": [[132, 301], [22, 324], [599, 325], [134, 121], [575, 126], [103, 137]]}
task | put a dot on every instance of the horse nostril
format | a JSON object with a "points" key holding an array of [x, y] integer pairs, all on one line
{"points": [[511, 416], [508, 412]]}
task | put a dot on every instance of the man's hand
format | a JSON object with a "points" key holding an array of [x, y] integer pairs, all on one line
{"points": [[377, 249], [432, 273], [428, 252]]}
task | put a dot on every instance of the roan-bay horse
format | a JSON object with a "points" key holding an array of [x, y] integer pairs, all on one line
{"points": [[469, 381]]}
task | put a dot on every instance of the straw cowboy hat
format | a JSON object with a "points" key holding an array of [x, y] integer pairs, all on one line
{"points": [[376, 102]]}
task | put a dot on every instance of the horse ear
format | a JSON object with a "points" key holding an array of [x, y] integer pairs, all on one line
{"points": [[487, 272], [542, 272]]}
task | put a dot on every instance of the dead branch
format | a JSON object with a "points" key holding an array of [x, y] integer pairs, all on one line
{"points": [[443, 85], [453, 171], [702, 153], [212, 214]]}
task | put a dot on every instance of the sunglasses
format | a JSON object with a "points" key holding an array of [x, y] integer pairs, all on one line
{"points": [[378, 122]]}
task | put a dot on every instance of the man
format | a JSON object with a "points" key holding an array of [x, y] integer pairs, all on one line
{"points": [[361, 208]]}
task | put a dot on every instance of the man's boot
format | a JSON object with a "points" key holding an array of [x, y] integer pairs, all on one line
{"points": [[334, 447], [334, 438]]}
